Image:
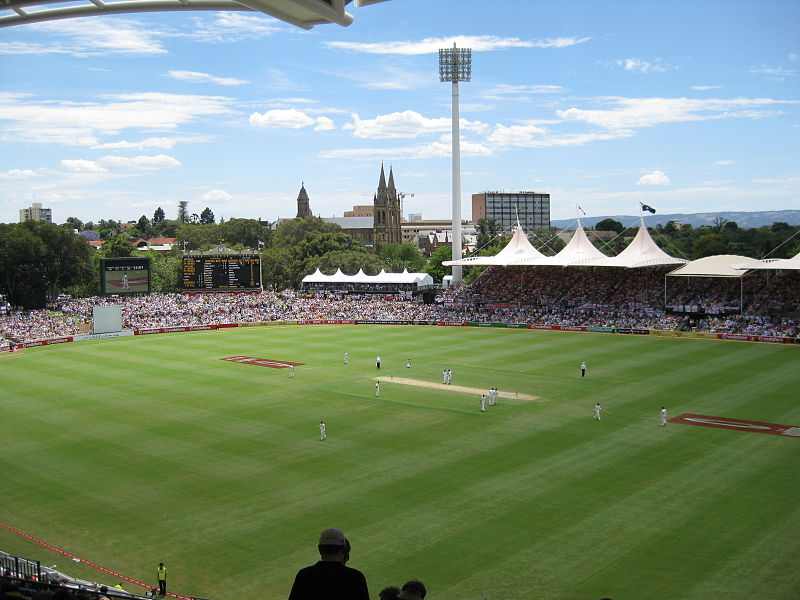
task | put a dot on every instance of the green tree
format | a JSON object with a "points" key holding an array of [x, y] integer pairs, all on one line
{"points": [[245, 232], [183, 211], [487, 229], [206, 217], [434, 268], [199, 237], [158, 216], [610, 225], [401, 256], [117, 247], [75, 223], [276, 268], [143, 225], [165, 271]]}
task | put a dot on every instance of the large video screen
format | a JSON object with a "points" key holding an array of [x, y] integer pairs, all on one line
{"points": [[125, 275], [229, 273]]}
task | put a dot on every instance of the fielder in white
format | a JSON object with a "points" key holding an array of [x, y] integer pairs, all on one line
{"points": [[291, 371], [346, 358], [597, 410], [323, 431], [377, 389], [583, 369], [663, 417], [483, 402], [444, 375]]}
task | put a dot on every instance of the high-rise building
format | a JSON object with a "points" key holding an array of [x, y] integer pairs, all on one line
{"points": [[387, 215], [532, 209], [360, 210], [303, 203], [35, 213]]}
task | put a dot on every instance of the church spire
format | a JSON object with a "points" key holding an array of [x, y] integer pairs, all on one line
{"points": [[303, 203], [392, 190], [382, 182]]}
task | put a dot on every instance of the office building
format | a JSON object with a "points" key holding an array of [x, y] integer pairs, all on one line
{"points": [[532, 209], [35, 213]]}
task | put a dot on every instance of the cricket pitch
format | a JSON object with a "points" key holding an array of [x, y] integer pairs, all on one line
{"points": [[454, 388]]}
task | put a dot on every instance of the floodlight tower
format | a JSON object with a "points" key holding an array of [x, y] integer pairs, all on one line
{"points": [[455, 64]]}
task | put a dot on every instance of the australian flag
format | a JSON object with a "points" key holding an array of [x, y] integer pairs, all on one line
{"points": [[648, 208]]}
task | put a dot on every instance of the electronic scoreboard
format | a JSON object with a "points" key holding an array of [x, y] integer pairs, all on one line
{"points": [[221, 273]]}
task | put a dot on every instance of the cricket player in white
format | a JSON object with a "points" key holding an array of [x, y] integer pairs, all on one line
{"points": [[378, 362], [493, 396], [483, 402], [323, 433], [449, 376], [291, 371], [444, 375], [346, 358], [597, 410], [377, 389], [583, 369], [663, 417], [408, 363]]}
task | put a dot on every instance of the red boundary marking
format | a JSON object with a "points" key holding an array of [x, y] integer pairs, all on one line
{"points": [[262, 362], [736, 424], [97, 567]]}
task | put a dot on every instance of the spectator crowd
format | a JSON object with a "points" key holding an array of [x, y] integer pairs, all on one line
{"points": [[634, 299]]}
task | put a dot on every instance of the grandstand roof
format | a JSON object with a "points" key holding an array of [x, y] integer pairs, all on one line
{"points": [[381, 278], [773, 264], [721, 265], [518, 251], [643, 252], [579, 252]]}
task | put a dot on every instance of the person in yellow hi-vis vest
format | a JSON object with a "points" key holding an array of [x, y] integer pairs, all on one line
{"points": [[162, 579]]}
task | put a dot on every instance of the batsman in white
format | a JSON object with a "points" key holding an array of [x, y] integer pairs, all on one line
{"points": [[663, 417], [597, 410], [323, 431]]}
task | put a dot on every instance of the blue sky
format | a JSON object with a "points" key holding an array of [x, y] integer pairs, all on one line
{"points": [[687, 106]]}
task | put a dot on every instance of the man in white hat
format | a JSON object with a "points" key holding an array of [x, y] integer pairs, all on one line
{"points": [[330, 577]]}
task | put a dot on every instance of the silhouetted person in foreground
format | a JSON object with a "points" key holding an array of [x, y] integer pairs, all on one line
{"points": [[330, 578], [413, 590], [389, 593]]}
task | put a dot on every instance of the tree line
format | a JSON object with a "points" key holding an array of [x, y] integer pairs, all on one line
{"points": [[39, 261]]}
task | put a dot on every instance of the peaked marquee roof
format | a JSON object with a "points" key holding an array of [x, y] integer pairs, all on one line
{"points": [[361, 277], [579, 252], [773, 264]]}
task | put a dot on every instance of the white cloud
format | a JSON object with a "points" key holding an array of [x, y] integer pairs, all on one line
{"points": [[653, 178], [644, 66], [630, 113], [324, 124], [705, 88], [406, 124], [106, 164], [529, 134], [80, 124], [724, 163], [216, 196], [15, 174], [505, 91], [233, 27], [438, 149], [776, 73], [198, 77], [83, 166], [478, 43], [290, 118], [162, 143], [77, 38]]}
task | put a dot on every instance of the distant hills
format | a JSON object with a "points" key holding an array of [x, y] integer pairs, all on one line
{"points": [[745, 220]]}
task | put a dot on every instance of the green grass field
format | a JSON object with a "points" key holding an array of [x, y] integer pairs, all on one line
{"points": [[135, 450]]}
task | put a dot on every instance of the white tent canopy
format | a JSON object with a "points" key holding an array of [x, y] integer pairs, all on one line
{"points": [[518, 251], [722, 265], [773, 264], [579, 252], [643, 252], [383, 277]]}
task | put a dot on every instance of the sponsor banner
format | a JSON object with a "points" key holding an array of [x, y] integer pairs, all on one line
{"points": [[202, 327], [148, 331], [538, 326], [452, 323], [773, 340], [100, 336], [49, 342], [572, 327], [640, 331], [517, 325], [554, 327], [737, 424], [226, 325], [596, 329], [423, 322], [737, 336], [504, 325]]}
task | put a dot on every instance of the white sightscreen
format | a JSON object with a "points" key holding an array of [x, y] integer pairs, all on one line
{"points": [[107, 319]]}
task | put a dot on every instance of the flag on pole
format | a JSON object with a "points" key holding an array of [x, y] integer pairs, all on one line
{"points": [[648, 208]]}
